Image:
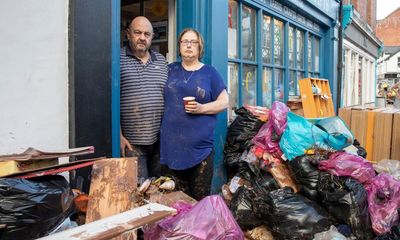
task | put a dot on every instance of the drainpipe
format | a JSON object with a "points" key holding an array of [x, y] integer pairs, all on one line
{"points": [[340, 60]]}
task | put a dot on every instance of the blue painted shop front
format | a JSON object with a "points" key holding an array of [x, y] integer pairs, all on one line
{"points": [[260, 47]]}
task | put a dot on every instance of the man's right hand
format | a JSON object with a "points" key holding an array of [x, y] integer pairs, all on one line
{"points": [[124, 144]]}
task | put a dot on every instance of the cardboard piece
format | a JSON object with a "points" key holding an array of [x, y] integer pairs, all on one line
{"points": [[169, 199], [33, 159], [54, 169]]}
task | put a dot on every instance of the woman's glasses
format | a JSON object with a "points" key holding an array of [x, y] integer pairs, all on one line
{"points": [[191, 42]]}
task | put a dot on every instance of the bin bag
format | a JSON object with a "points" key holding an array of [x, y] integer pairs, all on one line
{"points": [[32, 208]]}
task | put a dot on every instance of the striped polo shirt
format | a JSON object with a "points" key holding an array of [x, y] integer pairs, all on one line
{"points": [[142, 96]]}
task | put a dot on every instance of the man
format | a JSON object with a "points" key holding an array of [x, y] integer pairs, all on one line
{"points": [[143, 76]]}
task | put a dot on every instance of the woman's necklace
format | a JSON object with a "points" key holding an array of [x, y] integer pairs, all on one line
{"points": [[186, 80]]}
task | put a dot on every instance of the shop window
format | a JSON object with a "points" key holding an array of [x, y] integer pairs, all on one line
{"points": [[248, 33], [278, 42], [232, 30], [274, 74], [249, 89], [233, 90], [267, 86], [266, 47]]}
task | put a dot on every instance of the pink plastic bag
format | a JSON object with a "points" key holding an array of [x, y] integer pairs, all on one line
{"points": [[278, 117], [209, 219], [277, 123], [348, 165], [383, 201]]}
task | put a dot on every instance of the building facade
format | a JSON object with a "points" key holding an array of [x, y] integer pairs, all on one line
{"points": [[260, 47], [387, 26], [361, 50], [389, 66]]}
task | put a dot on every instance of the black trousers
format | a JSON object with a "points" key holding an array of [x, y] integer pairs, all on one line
{"points": [[195, 181]]}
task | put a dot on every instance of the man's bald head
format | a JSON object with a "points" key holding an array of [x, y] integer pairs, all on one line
{"points": [[141, 22], [140, 35]]}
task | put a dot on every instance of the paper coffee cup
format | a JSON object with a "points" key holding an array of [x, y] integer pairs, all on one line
{"points": [[188, 99]]}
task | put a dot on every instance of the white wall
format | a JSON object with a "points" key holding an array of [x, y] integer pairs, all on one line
{"points": [[33, 75], [392, 63]]}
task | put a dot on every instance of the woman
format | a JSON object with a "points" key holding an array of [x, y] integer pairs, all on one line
{"points": [[187, 130]]}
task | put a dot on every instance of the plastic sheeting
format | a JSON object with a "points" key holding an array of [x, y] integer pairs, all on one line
{"points": [[209, 219]]}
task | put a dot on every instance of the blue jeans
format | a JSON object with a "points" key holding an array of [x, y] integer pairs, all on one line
{"points": [[148, 160]]}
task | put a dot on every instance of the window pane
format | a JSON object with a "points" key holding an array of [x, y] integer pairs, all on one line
{"points": [[300, 49], [232, 30], [249, 85], [278, 42], [233, 90], [309, 59], [292, 83], [267, 87], [316, 55], [248, 33], [279, 87], [266, 48], [300, 75], [291, 47]]}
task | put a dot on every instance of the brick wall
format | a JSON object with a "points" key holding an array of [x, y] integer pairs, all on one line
{"points": [[387, 30], [366, 9]]}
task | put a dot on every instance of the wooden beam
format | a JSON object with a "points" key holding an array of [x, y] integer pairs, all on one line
{"points": [[116, 225]]}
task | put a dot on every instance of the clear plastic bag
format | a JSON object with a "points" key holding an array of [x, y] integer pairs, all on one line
{"points": [[391, 167]]}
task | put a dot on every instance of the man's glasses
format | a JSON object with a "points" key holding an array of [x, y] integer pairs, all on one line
{"points": [[138, 33], [192, 42]]}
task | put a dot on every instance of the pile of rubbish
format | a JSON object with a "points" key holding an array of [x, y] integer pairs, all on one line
{"points": [[297, 178]]}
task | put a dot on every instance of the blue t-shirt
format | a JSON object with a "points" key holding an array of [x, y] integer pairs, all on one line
{"points": [[187, 139]]}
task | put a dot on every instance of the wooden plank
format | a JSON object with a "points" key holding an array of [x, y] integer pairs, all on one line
{"points": [[307, 98], [369, 136], [116, 225], [170, 198], [382, 135], [359, 125], [113, 182], [395, 151], [345, 115]]}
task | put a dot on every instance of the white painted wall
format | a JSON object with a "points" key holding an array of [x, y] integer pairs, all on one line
{"points": [[33, 75], [391, 63]]}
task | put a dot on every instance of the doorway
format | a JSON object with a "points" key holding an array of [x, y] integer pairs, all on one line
{"points": [[161, 14]]}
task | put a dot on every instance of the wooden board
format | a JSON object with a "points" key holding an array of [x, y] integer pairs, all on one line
{"points": [[113, 184], [395, 151], [382, 135], [359, 120], [116, 225], [169, 199], [345, 115]]}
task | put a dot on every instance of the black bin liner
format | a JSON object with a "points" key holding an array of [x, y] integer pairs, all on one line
{"points": [[239, 136], [305, 171], [32, 208], [360, 150], [290, 215], [346, 200], [241, 207]]}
